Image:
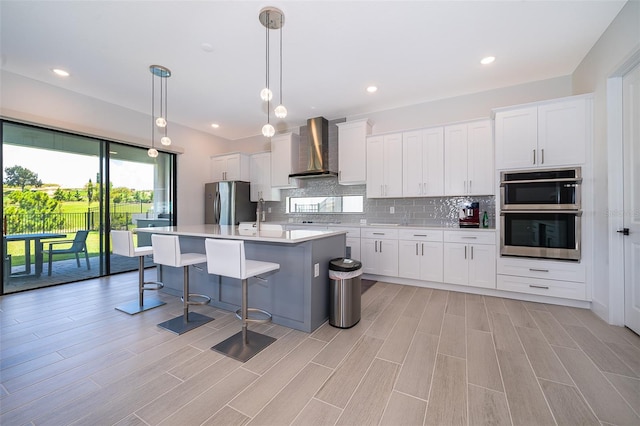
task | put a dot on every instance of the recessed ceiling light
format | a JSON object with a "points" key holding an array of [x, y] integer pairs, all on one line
{"points": [[60, 72], [487, 60], [215, 125], [372, 89]]}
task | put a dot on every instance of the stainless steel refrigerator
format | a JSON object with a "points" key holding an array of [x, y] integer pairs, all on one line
{"points": [[228, 203]]}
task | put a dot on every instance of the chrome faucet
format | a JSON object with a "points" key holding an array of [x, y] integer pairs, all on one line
{"points": [[259, 213]]}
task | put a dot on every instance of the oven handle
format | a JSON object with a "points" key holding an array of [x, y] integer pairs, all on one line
{"points": [[574, 212], [577, 181]]}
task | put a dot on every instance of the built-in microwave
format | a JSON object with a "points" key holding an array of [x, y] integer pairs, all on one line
{"points": [[540, 213], [551, 189]]}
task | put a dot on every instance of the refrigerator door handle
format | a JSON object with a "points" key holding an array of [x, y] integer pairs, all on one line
{"points": [[216, 207]]}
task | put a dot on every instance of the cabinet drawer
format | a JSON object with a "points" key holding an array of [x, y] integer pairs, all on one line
{"points": [[547, 270], [380, 233], [553, 288], [470, 237], [421, 235]]}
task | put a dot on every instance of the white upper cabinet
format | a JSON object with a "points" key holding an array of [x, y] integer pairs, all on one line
{"points": [[285, 149], [547, 135], [230, 167], [423, 162], [468, 159], [384, 166], [352, 148], [261, 178]]}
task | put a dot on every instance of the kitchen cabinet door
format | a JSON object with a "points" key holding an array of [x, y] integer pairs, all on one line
{"points": [[352, 148], [285, 150], [409, 259], [369, 254], [375, 164], [384, 166], [562, 133], [433, 162], [261, 178], [456, 267], [230, 167], [480, 171], [431, 261], [455, 160], [482, 266], [516, 138], [379, 257], [413, 153]]}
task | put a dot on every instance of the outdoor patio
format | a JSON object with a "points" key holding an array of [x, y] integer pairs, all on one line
{"points": [[67, 271]]}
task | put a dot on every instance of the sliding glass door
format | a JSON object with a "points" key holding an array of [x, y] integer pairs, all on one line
{"points": [[62, 193]]}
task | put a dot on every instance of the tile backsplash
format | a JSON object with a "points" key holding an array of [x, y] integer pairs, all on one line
{"points": [[420, 211]]}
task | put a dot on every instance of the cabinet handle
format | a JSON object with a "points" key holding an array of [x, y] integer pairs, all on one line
{"points": [[542, 159], [376, 246], [538, 270], [534, 156], [381, 190], [465, 186], [416, 249], [420, 235], [465, 252], [544, 287], [378, 233], [470, 182], [471, 252], [424, 188], [380, 246], [423, 249], [469, 238]]}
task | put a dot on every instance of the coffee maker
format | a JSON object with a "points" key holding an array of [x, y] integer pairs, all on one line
{"points": [[469, 215]]}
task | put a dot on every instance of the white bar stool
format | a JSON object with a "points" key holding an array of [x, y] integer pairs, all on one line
{"points": [[166, 251], [226, 258], [123, 245]]}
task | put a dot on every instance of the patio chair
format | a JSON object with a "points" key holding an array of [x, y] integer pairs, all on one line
{"points": [[78, 245]]}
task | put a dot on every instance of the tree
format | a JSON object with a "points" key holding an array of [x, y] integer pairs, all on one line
{"points": [[89, 192], [20, 176], [31, 211]]}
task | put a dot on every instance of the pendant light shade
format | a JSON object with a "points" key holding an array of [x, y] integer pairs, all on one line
{"points": [[158, 72], [272, 19]]}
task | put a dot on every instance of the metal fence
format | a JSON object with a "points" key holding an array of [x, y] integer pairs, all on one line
{"points": [[62, 222]]}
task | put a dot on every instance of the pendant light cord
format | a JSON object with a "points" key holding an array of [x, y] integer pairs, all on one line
{"points": [[268, 65], [153, 109], [281, 25]]}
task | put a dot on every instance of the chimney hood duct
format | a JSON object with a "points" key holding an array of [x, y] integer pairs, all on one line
{"points": [[318, 150]]}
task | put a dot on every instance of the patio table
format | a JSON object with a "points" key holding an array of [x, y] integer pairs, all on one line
{"points": [[27, 238]]}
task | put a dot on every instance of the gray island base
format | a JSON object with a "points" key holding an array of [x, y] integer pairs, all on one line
{"points": [[297, 295]]}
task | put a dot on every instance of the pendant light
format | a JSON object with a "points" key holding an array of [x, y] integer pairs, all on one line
{"points": [[272, 19], [162, 73]]}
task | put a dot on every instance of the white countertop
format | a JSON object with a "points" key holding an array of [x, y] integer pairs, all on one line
{"points": [[233, 233], [336, 225]]}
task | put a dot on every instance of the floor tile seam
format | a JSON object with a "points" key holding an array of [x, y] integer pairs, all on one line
{"points": [[608, 348], [284, 356], [435, 361], [409, 395], [495, 353], [275, 395], [578, 387], [404, 358], [615, 388], [354, 389], [303, 408], [502, 392], [615, 352]]}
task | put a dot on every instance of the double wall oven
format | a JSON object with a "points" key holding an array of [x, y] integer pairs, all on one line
{"points": [[540, 213]]}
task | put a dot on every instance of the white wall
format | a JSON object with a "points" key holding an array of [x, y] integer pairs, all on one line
{"points": [[31, 101], [617, 43]]}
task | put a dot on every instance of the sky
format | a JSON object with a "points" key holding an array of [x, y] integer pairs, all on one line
{"points": [[74, 171]]}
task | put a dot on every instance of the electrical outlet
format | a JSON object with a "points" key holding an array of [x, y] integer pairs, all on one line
{"points": [[316, 270], [268, 209], [392, 209]]}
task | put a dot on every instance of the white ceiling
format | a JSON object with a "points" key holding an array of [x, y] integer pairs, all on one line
{"points": [[414, 51]]}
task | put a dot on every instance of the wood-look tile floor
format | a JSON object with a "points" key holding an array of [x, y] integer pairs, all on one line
{"points": [[417, 357]]}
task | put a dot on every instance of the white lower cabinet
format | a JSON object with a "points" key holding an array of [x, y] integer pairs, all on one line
{"points": [[420, 255], [470, 258], [379, 251], [543, 277]]}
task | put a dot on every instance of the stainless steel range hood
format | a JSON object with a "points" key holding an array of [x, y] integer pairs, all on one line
{"points": [[318, 150]]}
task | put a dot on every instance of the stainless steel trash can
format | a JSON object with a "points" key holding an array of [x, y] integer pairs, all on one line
{"points": [[344, 292]]}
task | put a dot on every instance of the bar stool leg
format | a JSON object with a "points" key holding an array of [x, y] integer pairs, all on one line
{"points": [[134, 307], [245, 311], [188, 320]]}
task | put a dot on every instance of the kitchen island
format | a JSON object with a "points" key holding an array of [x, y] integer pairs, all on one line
{"points": [[297, 295]]}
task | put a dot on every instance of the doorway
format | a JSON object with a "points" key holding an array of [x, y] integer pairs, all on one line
{"points": [[631, 216]]}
